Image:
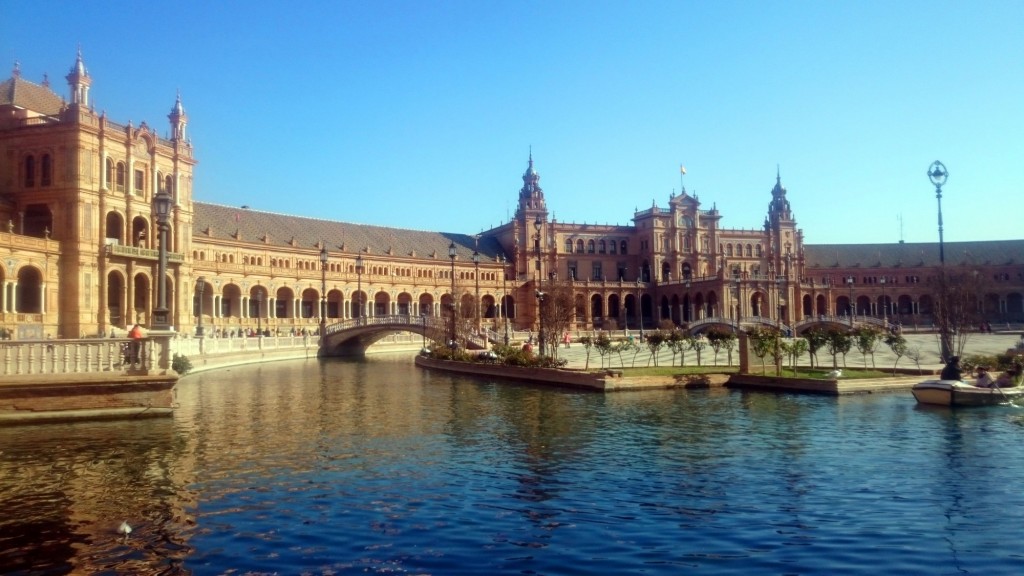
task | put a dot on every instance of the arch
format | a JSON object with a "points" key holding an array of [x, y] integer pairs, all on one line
{"points": [[30, 171], [904, 304], [140, 298], [335, 303], [231, 301], [381, 301], [990, 305], [404, 301], [108, 174], [622, 247], [806, 305], [45, 170], [489, 306], [822, 304], [579, 246], [508, 306], [119, 176], [309, 303], [728, 249], [596, 308], [614, 306], [113, 228], [863, 306], [38, 221], [602, 246], [29, 293], [842, 306], [282, 302], [426, 304], [568, 245], [140, 232], [757, 302], [1015, 305], [712, 304], [115, 296], [591, 247], [666, 271]]}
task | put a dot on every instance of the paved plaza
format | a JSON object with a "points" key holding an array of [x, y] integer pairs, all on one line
{"points": [[928, 345]]}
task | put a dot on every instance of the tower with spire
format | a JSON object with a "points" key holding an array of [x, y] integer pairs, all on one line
{"points": [[79, 81]]}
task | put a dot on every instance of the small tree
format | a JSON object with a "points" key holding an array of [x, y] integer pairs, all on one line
{"points": [[796, 348], [898, 344], [655, 340], [816, 338], [674, 341], [717, 338], [914, 353], [838, 342], [604, 347], [587, 343], [764, 340], [730, 345], [867, 339], [697, 344]]}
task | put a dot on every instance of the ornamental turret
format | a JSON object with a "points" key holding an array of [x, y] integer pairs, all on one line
{"points": [[79, 81]]}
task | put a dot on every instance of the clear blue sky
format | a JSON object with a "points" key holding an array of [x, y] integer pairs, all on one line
{"points": [[422, 114]]}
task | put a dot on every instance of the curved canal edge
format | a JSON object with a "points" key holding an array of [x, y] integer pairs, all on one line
{"points": [[598, 381]]}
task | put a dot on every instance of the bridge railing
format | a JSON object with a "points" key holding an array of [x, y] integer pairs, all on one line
{"points": [[82, 356]]}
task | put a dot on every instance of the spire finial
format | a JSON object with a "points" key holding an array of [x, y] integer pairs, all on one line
{"points": [[16, 73]]}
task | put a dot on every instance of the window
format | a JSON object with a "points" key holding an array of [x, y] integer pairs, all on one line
{"points": [[728, 249], [140, 181], [757, 249], [602, 247], [611, 247], [573, 274], [579, 246], [168, 184], [596, 271], [568, 246], [120, 177], [45, 177], [750, 251], [590, 247], [30, 171], [622, 247], [109, 176]]}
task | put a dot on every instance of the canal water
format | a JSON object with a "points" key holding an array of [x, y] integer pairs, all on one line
{"points": [[376, 467]]}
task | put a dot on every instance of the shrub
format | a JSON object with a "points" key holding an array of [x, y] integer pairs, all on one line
{"points": [[181, 364]]}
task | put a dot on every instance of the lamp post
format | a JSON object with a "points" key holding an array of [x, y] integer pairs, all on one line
{"points": [[853, 310], [639, 305], [736, 296], [885, 303], [162, 207], [778, 303], [451, 326], [504, 296], [689, 302], [476, 277], [200, 286], [259, 312], [359, 289], [541, 340], [938, 175]]}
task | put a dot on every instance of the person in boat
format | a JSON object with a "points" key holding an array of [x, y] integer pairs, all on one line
{"points": [[1007, 379], [952, 370], [984, 379]]}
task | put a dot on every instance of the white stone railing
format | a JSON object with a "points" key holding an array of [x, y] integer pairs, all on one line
{"points": [[84, 356]]}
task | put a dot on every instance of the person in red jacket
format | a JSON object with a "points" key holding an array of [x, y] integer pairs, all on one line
{"points": [[135, 346]]}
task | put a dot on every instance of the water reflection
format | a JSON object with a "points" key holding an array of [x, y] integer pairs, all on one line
{"points": [[376, 467]]}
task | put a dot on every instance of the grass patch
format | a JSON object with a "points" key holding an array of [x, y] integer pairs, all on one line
{"points": [[823, 374], [674, 370]]}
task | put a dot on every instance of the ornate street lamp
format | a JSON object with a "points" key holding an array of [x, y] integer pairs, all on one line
{"points": [[778, 303], [885, 303], [259, 312], [853, 310], [639, 305], [689, 302], [200, 286], [323, 290], [736, 296], [162, 208], [476, 276], [359, 289], [504, 296], [537, 224], [451, 326], [938, 175]]}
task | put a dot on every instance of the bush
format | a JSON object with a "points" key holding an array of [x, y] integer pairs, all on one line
{"points": [[181, 364]]}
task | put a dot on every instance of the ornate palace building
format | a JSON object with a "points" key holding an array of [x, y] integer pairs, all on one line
{"points": [[79, 250]]}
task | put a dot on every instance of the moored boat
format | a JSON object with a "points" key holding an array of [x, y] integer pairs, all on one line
{"points": [[957, 393]]}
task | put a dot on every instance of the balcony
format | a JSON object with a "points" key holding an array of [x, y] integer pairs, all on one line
{"points": [[142, 253]]}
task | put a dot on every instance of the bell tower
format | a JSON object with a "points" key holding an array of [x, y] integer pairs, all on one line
{"points": [[178, 120], [79, 81]]}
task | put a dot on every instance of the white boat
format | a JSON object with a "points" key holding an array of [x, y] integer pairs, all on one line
{"points": [[957, 393]]}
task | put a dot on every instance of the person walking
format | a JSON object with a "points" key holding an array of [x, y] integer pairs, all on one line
{"points": [[135, 346]]}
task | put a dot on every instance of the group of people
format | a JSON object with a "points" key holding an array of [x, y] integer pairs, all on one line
{"points": [[982, 377]]}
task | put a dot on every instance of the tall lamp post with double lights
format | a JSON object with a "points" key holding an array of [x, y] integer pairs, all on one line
{"points": [[451, 325], [885, 303], [938, 175], [259, 311], [162, 207], [504, 295], [476, 277], [853, 309], [359, 289], [323, 292], [200, 286], [541, 339]]}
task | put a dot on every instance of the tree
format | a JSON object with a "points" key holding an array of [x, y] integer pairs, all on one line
{"points": [[655, 340], [816, 338], [898, 344], [795, 348], [838, 341], [717, 339], [867, 339], [956, 309], [587, 343], [558, 311], [764, 340], [679, 342], [604, 347], [698, 344]]}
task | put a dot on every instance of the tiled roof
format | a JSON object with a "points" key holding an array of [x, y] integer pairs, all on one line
{"points": [[19, 92], [989, 252], [252, 226]]}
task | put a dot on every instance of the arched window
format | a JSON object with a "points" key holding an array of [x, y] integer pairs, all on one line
{"points": [[728, 249], [750, 251], [757, 249], [30, 171], [568, 245], [169, 184], [119, 178], [612, 247], [602, 247], [622, 247], [590, 247], [109, 174], [46, 170], [579, 246]]}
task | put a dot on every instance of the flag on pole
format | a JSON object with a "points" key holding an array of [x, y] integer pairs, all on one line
{"points": [[682, 169]]}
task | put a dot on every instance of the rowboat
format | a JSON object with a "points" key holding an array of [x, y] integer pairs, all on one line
{"points": [[957, 393]]}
